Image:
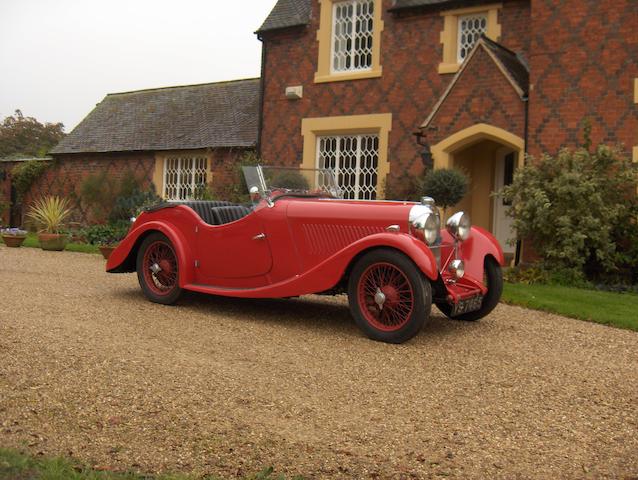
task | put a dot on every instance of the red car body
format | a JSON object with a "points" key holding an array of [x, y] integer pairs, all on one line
{"points": [[288, 245], [308, 246]]}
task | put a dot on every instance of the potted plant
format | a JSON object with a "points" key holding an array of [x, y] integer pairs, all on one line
{"points": [[49, 214], [106, 237], [13, 237]]}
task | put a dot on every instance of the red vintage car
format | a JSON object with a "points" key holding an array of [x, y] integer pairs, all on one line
{"points": [[297, 236]]}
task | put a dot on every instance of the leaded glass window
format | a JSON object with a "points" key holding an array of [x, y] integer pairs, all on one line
{"points": [[352, 32], [471, 27], [184, 176], [355, 162]]}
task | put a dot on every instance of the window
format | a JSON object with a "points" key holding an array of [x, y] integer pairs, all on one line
{"points": [[461, 30], [355, 162], [352, 35], [184, 176], [471, 27], [349, 39]]}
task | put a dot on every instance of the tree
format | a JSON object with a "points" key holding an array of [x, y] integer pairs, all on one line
{"points": [[446, 186], [22, 136]]}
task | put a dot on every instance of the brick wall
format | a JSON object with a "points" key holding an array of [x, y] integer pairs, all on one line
{"points": [[64, 178], [482, 94], [410, 86], [584, 58]]}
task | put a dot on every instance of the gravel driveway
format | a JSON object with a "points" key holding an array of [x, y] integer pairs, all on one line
{"points": [[90, 369]]}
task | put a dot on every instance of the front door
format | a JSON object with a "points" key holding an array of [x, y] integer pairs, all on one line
{"points": [[504, 175], [235, 250]]}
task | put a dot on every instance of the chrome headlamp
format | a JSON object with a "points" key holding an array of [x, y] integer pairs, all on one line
{"points": [[425, 222], [459, 226]]}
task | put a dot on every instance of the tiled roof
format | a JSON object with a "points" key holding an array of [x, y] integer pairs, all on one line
{"points": [[405, 4], [287, 13], [177, 118]]}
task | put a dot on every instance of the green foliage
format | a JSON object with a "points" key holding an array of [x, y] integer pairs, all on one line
{"points": [[111, 199], [236, 190], [25, 174], [290, 179], [446, 186], [22, 136], [50, 213], [404, 187], [204, 192], [579, 211], [108, 234]]}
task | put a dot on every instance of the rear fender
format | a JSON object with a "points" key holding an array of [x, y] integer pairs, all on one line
{"points": [[123, 258]]}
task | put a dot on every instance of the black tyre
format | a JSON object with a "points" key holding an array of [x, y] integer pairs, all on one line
{"points": [[158, 269], [494, 279], [390, 299]]}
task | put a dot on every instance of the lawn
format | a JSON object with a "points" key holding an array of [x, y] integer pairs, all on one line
{"points": [[616, 309], [32, 242], [19, 466]]}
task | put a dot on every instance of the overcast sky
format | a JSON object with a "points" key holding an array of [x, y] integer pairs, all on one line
{"points": [[58, 58]]}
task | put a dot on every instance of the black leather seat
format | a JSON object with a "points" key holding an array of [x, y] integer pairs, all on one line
{"points": [[204, 208], [230, 213]]}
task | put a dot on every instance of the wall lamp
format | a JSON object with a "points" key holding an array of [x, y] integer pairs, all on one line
{"points": [[426, 154]]}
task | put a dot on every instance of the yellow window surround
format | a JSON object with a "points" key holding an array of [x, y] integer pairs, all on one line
{"points": [[380, 123], [450, 33], [324, 37], [160, 161]]}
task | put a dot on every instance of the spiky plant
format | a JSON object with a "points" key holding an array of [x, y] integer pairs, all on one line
{"points": [[49, 213]]}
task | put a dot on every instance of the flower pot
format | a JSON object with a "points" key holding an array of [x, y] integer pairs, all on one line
{"points": [[106, 250], [52, 241], [13, 241]]}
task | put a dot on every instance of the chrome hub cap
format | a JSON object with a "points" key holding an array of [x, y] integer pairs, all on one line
{"points": [[155, 268], [379, 298]]}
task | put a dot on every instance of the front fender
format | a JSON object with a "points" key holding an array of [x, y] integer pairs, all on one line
{"points": [[474, 250], [123, 258]]}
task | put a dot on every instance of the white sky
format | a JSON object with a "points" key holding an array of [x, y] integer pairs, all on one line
{"points": [[58, 58]]}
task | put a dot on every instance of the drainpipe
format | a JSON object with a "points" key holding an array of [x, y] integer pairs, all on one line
{"points": [[262, 89], [519, 242]]}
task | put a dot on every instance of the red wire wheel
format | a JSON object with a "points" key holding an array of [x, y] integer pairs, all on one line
{"points": [[158, 269], [390, 298], [386, 297]]}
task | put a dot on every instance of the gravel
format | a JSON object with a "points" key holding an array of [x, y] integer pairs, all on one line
{"points": [[91, 370]]}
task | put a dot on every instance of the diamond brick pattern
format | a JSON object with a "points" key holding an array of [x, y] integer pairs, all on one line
{"points": [[409, 87], [584, 57]]}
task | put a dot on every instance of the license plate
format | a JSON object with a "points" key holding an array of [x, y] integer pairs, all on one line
{"points": [[468, 305]]}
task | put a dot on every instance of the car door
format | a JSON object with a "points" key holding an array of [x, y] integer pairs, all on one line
{"points": [[233, 251]]}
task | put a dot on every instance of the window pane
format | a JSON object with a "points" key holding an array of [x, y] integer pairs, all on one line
{"points": [[352, 35], [355, 162], [183, 176], [471, 27]]}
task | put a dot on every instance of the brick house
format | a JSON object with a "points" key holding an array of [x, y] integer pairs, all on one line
{"points": [[175, 139], [347, 83]]}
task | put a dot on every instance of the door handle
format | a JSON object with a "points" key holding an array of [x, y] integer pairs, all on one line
{"points": [[260, 236]]}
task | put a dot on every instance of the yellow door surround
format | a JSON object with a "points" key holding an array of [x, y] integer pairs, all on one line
{"points": [[442, 152], [380, 123]]}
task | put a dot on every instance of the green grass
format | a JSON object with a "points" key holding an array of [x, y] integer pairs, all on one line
{"points": [[15, 465], [32, 242], [616, 309]]}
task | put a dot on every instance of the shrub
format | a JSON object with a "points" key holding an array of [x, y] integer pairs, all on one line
{"points": [[109, 234], [49, 213], [25, 174], [578, 210], [405, 187], [446, 186], [290, 179], [236, 190]]}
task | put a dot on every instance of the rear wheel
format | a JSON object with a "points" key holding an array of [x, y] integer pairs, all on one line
{"points": [[494, 282], [158, 269], [389, 297]]}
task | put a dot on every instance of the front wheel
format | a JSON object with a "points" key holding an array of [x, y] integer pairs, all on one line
{"points": [[494, 282], [158, 269], [389, 297]]}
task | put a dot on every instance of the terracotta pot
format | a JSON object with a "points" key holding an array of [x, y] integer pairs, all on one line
{"points": [[13, 241], [52, 241], [106, 250]]}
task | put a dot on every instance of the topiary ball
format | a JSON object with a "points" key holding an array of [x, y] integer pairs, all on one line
{"points": [[446, 186]]}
